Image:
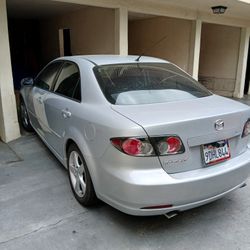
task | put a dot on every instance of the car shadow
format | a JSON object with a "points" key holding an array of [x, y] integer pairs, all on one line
{"points": [[143, 225]]}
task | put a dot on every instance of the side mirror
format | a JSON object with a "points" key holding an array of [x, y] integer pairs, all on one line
{"points": [[28, 81]]}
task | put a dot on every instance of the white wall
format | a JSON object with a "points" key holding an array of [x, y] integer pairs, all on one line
{"points": [[219, 57], [9, 127]]}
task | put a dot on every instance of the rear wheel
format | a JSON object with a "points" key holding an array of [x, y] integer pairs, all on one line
{"points": [[79, 177], [25, 121]]}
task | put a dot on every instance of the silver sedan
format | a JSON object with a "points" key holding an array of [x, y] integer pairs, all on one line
{"points": [[138, 132]]}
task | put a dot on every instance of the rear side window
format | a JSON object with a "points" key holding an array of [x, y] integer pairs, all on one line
{"points": [[68, 82], [46, 78], [147, 83]]}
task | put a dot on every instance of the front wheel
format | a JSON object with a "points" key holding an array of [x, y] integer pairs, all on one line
{"points": [[25, 121], [79, 177]]}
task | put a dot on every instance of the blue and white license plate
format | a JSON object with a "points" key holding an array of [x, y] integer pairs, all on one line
{"points": [[216, 152]]}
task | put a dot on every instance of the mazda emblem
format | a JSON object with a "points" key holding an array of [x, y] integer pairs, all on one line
{"points": [[219, 124]]}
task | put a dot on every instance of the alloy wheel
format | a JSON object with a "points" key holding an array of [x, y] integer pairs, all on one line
{"points": [[24, 115], [77, 173]]}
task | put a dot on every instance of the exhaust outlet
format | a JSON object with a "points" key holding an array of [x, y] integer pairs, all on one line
{"points": [[171, 214]]}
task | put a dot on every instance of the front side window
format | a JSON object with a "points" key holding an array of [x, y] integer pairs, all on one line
{"points": [[46, 78], [68, 82], [147, 83]]}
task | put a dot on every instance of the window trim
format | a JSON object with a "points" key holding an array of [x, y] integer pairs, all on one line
{"points": [[56, 78], [51, 90]]}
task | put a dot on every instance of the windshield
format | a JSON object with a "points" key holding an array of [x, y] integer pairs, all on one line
{"points": [[147, 83]]}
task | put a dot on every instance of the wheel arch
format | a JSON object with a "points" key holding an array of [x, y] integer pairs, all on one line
{"points": [[82, 146], [69, 141], [21, 97]]}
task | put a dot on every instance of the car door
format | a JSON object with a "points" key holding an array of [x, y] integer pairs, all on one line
{"points": [[61, 103], [42, 85]]}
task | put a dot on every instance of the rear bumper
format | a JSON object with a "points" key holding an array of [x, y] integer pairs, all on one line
{"points": [[130, 190], [150, 212]]}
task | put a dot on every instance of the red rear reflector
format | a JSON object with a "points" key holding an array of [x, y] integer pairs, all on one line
{"points": [[158, 207]]}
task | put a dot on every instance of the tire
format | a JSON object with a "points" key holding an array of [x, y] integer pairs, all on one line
{"points": [[79, 177], [24, 117]]}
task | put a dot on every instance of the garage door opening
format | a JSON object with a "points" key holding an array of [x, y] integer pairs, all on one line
{"points": [[24, 45], [41, 31], [44, 30], [29, 38], [218, 58], [173, 35]]}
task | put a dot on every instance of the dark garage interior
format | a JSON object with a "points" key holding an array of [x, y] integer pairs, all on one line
{"points": [[25, 49]]}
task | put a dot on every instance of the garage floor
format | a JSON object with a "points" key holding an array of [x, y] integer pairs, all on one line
{"points": [[38, 211]]}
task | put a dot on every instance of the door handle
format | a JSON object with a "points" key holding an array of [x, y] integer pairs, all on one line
{"points": [[40, 100], [66, 113]]}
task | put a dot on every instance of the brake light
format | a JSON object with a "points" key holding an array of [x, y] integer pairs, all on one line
{"points": [[168, 145], [246, 129], [134, 146]]}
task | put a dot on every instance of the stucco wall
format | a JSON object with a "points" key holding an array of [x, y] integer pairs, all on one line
{"points": [[219, 57], [175, 48], [92, 32]]}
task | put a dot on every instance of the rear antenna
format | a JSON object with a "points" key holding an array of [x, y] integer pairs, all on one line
{"points": [[151, 47]]}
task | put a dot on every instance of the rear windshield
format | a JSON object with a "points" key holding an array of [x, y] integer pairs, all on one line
{"points": [[147, 83]]}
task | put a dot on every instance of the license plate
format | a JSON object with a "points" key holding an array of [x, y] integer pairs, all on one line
{"points": [[216, 152]]}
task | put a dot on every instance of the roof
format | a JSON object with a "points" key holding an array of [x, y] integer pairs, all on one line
{"points": [[115, 59]]}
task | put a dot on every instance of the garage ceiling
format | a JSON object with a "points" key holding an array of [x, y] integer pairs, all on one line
{"points": [[47, 8], [38, 8], [236, 8]]}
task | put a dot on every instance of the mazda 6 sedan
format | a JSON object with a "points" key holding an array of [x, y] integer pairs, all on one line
{"points": [[138, 132]]}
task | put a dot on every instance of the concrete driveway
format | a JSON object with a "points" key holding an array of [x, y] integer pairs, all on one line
{"points": [[38, 211]]}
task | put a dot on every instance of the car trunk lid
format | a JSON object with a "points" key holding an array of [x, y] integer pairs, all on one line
{"points": [[194, 122]]}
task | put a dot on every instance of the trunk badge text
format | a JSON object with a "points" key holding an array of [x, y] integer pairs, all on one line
{"points": [[219, 125]]}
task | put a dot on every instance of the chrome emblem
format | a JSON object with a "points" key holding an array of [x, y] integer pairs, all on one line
{"points": [[219, 125]]}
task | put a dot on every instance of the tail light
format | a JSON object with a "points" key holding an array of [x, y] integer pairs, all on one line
{"points": [[168, 145], [134, 146], [246, 129]]}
